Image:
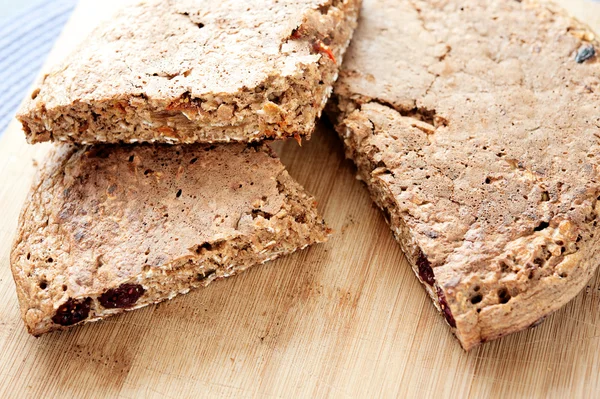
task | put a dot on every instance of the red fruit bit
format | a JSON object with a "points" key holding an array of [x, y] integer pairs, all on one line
{"points": [[72, 312], [122, 297], [445, 308], [425, 270], [298, 139], [320, 47], [296, 34]]}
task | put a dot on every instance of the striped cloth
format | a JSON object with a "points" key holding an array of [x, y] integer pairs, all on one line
{"points": [[25, 41]]}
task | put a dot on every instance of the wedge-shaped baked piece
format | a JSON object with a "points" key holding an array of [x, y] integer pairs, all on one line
{"points": [[114, 228], [475, 126], [187, 71]]}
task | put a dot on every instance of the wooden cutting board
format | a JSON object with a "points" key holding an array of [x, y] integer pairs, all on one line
{"points": [[345, 319]]}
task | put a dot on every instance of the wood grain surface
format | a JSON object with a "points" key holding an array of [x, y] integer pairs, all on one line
{"points": [[345, 319]]}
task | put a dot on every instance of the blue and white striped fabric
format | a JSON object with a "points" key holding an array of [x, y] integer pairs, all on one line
{"points": [[25, 41]]}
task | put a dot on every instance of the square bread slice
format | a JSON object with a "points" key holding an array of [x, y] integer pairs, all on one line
{"points": [[114, 228], [188, 71], [475, 124]]}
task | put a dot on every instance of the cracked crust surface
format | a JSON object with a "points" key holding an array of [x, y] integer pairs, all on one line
{"points": [[196, 71], [475, 126], [113, 228]]}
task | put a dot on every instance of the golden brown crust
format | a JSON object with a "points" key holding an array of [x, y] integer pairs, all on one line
{"points": [[111, 228], [196, 71], [474, 124]]}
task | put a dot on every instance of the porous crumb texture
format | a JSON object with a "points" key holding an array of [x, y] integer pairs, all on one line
{"points": [[190, 71], [476, 126], [112, 228]]}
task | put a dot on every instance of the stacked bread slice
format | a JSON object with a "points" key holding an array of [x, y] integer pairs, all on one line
{"points": [[146, 199]]}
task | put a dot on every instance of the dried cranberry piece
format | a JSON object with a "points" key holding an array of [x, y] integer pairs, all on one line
{"points": [[72, 312], [425, 270], [124, 296], [445, 308]]}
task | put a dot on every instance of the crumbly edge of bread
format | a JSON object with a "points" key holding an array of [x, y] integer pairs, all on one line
{"points": [[280, 107], [299, 225], [494, 320]]}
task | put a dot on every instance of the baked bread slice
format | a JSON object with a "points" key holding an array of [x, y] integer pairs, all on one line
{"points": [[475, 125], [190, 71], [114, 228]]}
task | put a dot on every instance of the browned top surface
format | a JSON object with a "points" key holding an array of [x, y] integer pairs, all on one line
{"points": [[128, 204], [163, 49], [516, 130]]}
